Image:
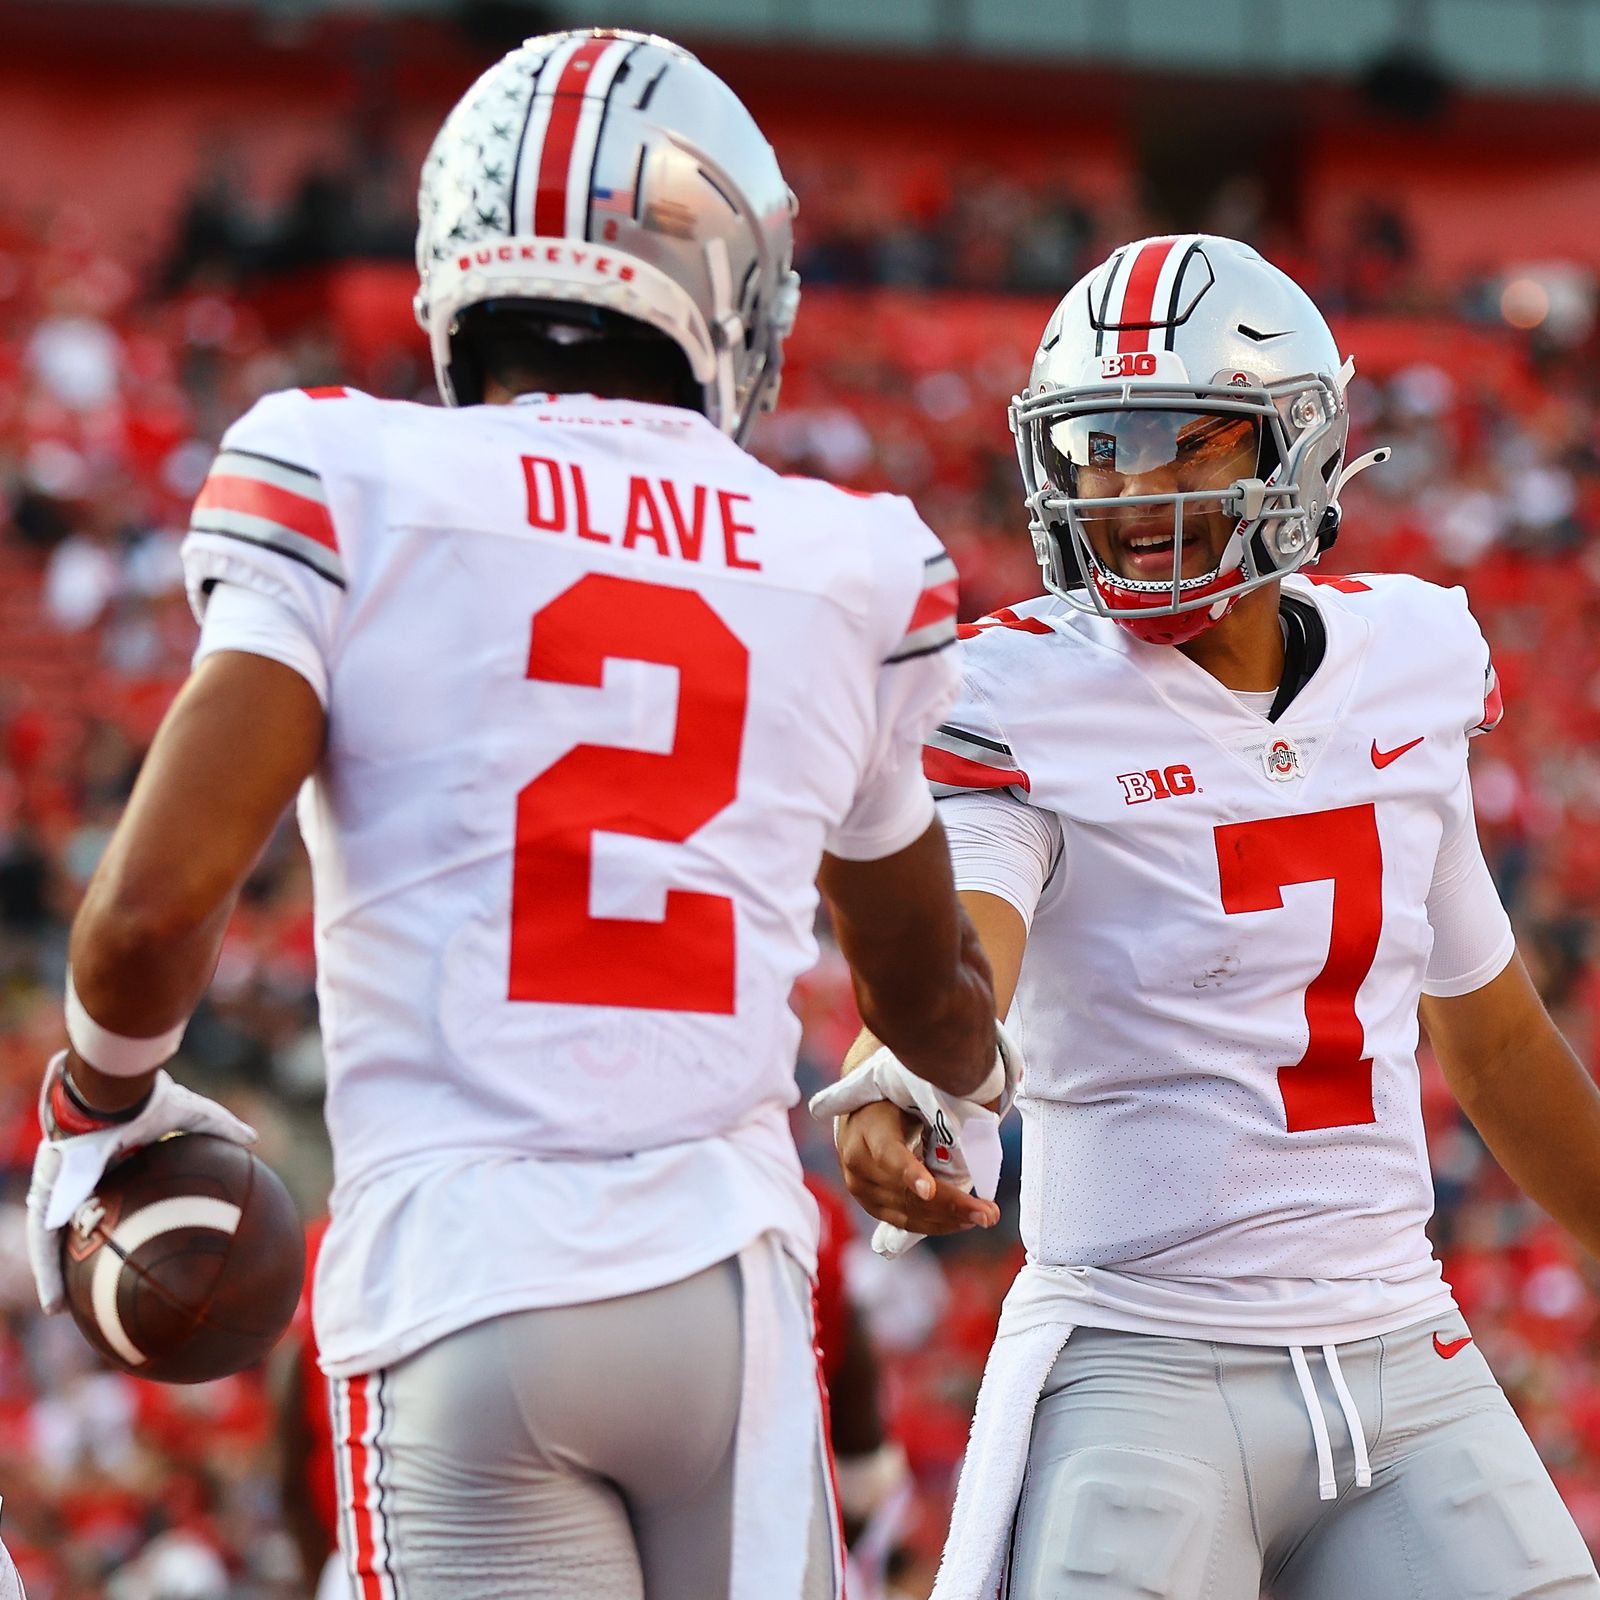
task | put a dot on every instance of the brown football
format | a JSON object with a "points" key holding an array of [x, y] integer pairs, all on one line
{"points": [[186, 1263]]}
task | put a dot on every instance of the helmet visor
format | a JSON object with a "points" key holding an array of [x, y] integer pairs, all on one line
{"points": [[1108, 454]]}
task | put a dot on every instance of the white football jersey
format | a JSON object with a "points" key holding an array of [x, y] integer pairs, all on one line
{"points": [[1218, 1000], [601, 689]]}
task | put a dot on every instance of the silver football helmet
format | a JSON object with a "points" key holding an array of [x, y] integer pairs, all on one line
{"points": [[611, 170], [1175, 352]]}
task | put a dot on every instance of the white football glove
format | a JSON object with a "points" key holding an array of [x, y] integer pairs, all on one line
{"points": [[959, 1137], [67, 1168]]}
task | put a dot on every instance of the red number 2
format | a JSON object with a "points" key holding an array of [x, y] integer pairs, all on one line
{"points": [[560, 953], [1330, 1086]]}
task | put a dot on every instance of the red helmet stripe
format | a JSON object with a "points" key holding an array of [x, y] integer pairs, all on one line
{"points": [[555, 159], [1138, 301]]}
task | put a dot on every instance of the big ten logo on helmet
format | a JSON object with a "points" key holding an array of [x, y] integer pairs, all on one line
{"points": [[1130, 364], [1156, 783]]}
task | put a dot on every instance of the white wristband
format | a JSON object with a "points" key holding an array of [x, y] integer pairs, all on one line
{"points": [[992, 1087], [115, 1054]]}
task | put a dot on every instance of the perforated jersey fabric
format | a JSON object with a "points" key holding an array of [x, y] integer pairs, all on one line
{"points": [[1221, 1113]]}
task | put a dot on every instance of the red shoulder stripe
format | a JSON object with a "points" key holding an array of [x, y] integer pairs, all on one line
{"points": [[942, 766], [1494, 705], [309, 518], [935, 605], [1333, 581], [1004, 618]]}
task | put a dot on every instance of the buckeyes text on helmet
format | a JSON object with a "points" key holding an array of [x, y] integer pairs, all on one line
{"points": [[611, 170], [1192, 327]]}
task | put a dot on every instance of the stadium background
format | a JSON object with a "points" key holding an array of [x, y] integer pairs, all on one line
{"points": [[200, 202]]}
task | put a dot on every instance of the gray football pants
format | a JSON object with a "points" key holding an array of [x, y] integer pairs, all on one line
{"points": [[1175, 1469], [575, 1453]]}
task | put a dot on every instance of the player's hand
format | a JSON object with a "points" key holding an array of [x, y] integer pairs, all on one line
{"points": [[950, 1138], [69, 1164], [879, 1155]]}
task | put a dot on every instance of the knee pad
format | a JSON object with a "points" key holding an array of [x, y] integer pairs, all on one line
{"points": [[1484, 1512], [1110, 1523]]}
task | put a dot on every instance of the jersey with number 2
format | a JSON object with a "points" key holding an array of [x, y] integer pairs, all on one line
{"points": [[601, 688]]}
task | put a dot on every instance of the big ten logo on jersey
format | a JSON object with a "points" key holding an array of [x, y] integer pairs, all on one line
{"points": [[1156, 783], [682, 521]]}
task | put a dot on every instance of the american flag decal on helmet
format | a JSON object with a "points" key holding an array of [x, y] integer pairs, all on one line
{"points": [[933, 618], [958, 762], [265, 501]]}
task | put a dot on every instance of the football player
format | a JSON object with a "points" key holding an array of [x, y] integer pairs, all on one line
{"points": [[1211, 816], [579, 700]]}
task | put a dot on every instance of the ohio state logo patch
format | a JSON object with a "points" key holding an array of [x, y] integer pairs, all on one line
{"points": [[1280, 760]]}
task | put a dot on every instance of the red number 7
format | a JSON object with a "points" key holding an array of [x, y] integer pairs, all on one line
{"points": [[1330, 1086]]}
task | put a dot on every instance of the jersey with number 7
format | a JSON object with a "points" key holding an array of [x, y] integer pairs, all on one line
{"points": [[601, 689], [1232, 920]]}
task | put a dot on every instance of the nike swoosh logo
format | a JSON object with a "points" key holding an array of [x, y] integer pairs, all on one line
{"points": [[1382, 758], [1451, 1347]]}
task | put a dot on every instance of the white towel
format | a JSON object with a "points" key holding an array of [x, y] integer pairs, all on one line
{"points": [[1035, 1323], [779, 1440]]}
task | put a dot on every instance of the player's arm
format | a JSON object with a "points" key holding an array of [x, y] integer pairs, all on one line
{"points": [[1525, 1092], [921, 977], [242, 736], [265, 576], [1514, 1075], [879, 1167]]}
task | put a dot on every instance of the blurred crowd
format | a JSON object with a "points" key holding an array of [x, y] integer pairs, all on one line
{"points": [[976, 227], [914, 225], [115, 384]]}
